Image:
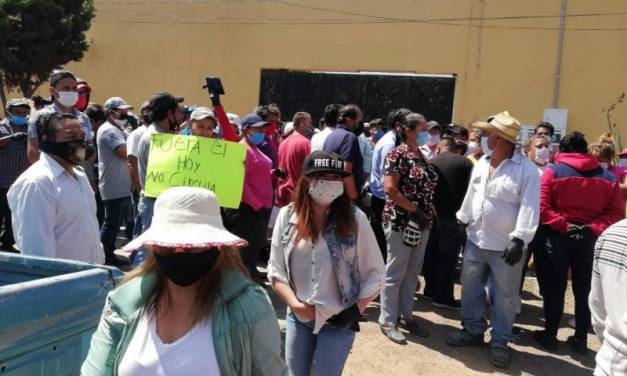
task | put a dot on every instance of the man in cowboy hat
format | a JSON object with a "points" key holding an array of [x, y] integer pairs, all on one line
{"points": [[501, 211]]}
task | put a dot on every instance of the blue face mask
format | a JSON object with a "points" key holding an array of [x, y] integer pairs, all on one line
{"points": [[257, 138], [19, 120], [422, 138], [378, 134]]}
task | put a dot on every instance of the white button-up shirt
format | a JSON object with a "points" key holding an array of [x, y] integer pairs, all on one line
{"points": [[54, 213], [505, 205], [318, 139], [312, 272]]}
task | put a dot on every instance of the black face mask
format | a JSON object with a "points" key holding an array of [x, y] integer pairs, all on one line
{"points": [[309, 132], [173, 124], [360, 129], [123, 116], [70, 151], [185, 268]]}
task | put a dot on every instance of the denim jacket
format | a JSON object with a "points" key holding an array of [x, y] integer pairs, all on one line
{"points": [[246, 333], [343, 256]]}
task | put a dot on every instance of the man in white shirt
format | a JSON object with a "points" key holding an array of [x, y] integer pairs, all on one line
{"points": [[501, 210], [331, 112], [52, 203]]}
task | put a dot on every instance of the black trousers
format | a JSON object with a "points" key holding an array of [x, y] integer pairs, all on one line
{"points": [[251, 226], [536, 247], [6, 229], [552, 265], [445, 243], [377, 226]]}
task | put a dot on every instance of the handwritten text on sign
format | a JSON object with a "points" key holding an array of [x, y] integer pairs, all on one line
{"points": [[190, 161]]}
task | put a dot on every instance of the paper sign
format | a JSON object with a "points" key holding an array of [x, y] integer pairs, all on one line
{"points": [[190, 161]]}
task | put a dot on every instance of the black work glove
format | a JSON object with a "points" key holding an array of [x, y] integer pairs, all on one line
{"points": [[347, 318], [513, 252], [215, 100], [420, 217], [18, 136], [579, 232], [279, 173]]}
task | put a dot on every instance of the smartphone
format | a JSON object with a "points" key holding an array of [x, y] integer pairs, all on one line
{"points": [[213, 85]]}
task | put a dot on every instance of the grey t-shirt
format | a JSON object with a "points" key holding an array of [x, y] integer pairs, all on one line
{"points": [[115, 179]]}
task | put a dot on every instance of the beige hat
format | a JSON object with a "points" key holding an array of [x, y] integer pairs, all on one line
{"points": [[502, 124], [186, 217]]}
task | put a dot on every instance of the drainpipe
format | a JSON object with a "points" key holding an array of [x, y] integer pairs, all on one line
{"points": [[558, 65]]}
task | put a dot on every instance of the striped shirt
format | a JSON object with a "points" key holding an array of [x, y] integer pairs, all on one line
{"points": [[608, 300]]}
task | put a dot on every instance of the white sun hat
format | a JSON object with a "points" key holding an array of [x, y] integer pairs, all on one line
{"points": [[186, 217]]}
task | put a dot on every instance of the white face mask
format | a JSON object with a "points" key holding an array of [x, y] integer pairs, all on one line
{"points": [[474, 148], [623, 162], [484, 146], [324, 192], [542, 156], [121, 123], [434, 139], [68, 98]]}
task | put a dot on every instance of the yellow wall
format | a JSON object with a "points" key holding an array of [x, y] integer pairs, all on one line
{"points": [[142, 46]]}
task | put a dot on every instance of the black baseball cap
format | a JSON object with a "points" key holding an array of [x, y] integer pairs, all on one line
{"points": [[324, 162], [163, 101], [60, 74]]}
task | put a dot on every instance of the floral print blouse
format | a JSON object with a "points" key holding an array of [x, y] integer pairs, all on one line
{"points": [[417, 183]]}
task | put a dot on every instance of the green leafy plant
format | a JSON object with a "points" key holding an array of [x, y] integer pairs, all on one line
{"points": [[38, 36]]}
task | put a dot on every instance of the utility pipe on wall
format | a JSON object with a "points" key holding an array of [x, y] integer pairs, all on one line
{"points": [[560, 46]]}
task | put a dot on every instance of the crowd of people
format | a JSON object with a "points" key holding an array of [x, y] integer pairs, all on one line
{"points": [[355, 211]]}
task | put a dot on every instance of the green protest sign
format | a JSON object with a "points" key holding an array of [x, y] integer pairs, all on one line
{"points": [[191, 161]]}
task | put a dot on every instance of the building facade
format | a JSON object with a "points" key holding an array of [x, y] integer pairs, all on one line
{"points": [[503, 53]]}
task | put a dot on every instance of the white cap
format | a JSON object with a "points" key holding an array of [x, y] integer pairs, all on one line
{"points": [[288, 128], [234, 119], [202, 113]]}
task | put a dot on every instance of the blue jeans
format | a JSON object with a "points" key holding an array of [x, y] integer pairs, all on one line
{"points": [[321, 354], [115, 212], [145, 208], [478, 265]]}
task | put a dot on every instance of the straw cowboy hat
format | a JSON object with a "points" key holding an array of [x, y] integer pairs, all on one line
{"points": [[502, 124], [186, 217]]}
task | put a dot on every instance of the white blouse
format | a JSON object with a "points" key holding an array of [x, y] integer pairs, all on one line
{"points": [[191, 355], [312, 269]]}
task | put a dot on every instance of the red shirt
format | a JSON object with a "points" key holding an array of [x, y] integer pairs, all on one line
{"points": [[292, 153]]}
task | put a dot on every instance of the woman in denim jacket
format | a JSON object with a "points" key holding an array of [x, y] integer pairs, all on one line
{"points": [[325, 264], [189, 308]]}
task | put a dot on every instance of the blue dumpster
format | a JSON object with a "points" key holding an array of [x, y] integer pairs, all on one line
{"points": [[49, 310]]}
